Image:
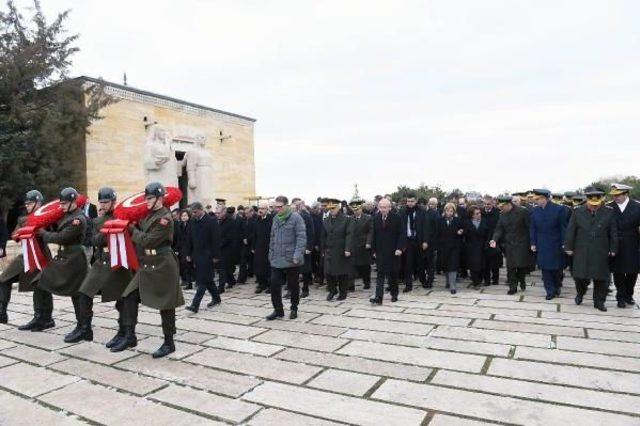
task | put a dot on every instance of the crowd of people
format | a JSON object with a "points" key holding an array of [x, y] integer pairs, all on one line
{"points": [[329, 242]]}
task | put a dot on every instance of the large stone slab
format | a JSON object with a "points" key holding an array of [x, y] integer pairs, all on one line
{"points": [[353, 363], [621, 336], [127, 381], [548, 307], [581, 359], [415, 356], [432, 318], [493, 336], [220, 328], [273, 417], [33, 355], [566, 375], [489, 310], [492, 407], [446, 420], [198, 401], [110, 407], [568, 323], [598, 346], [529, 328], [47, 341], [375, 324], [541, 391], [97, 353], [196, 376], [301, 340], [246, 346], [268, 368], [344, 382], [323, 330], [18, 411], [32, 381], [333, 406]]}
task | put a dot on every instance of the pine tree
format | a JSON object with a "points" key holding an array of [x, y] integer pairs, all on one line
{"points": [[44, 115]]}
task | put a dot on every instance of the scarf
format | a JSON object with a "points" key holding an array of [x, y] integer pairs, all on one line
{"points": [[284, 214], [476, 223], [411, 224]]}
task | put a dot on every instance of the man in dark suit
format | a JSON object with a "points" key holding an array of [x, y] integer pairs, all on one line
{"points": [[362, 235], [203, 250], [306, 270], [226, 266], [386, 245], [417, 232], [493, 257], [626, 263]]}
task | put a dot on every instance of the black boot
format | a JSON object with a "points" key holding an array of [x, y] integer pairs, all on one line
{"points": [[129, 340], [513, 288], [578, 299], [114, 341], [167, 347], [33, 323], [4, 318], [600, 306], [375, 301], [45, 321], [193, 309], [274, 315], [294, 313], [82, 332]]}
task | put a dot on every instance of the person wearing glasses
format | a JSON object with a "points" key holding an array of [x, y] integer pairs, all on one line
{"points": [[287, 246]]}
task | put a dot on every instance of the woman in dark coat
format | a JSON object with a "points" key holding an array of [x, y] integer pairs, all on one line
{"points": [[476, 243], [450, 233], [183, 235], [260, 248]]}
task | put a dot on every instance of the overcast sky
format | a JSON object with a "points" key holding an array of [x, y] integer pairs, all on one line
{"points": [[480, 95]]}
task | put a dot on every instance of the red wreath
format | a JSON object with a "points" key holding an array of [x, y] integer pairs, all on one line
{"points": [[134, 208], [50, 213]]}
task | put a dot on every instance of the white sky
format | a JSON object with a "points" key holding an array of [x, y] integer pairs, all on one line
{"points": [[480, 95]]}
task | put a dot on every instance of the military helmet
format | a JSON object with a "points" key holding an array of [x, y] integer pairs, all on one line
{"points": [[69, 194], [155, 189], [106, 194], [34, 196]]}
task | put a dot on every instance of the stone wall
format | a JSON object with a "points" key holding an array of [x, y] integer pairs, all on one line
{"points": [[114, 146]]}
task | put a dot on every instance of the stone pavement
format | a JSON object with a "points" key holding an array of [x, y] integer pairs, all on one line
{"points": [[480, 357]]}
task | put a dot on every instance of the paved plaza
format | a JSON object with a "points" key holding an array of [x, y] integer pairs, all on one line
{"points": [[480, 357]]}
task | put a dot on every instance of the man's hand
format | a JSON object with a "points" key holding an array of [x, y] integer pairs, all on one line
{"points": [[533, 249], [569, 252], [307, 252], [188, 258], [253, 251], [296, 261], [612, 254], [460, 231], [398, 253], [246, 242], [425, 246], [367, 246], [492, 244], [347, 253]]}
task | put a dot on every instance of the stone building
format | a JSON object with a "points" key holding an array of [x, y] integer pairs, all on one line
{"points": [[116, 149]]}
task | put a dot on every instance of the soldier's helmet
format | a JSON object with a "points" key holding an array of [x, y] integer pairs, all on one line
{"points": [[106, 194], [34, 196], [155, 189], [69, 194]]}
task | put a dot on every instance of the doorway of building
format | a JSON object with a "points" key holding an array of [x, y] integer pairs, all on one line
{"points": [[183, 180]]}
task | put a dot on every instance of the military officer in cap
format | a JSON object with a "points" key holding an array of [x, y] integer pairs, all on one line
{"points": [[577, 200], [66, 271], [336, 245], [157, 283], [592, 238], [626, 263], [362, 235], [512, 231], [101, 277], [27, 281], [548, 226]]}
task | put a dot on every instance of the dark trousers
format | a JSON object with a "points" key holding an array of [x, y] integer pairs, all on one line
{"points": [[5, 293], [226, 269], [364, 272], [338, 284], [263, 280], [83, 308], [186, 270], [201, 288], [315, 263], [476, 277], [413, 263], [625, 284], [391, 278], [290, 277], [243, 268], [491, 270], [551, 280], [430, 264], [307, 279], [42, 303], [130, 306], [599, 289], [515, 276]]}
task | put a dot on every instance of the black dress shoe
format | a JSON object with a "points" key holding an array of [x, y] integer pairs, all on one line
{"points": [[164, 350], [394, 298], [331, 295], [630, 301], [341, 297], [366, 287], [30, 325], [407, 289], [293, 314], [192, 309], [375, 301], [274, 315], [79, 334], [512, 291], [550, 296], [213, 303], [621, 304], [115, 339], [189, 287], [43, 325], [304, 293], [600, 307], [578, 299], [129, 340], [258, 290], [454, 291]]}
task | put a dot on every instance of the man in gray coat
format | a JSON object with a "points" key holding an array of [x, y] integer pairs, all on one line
{"points": [[286, 256], [592, 239]]}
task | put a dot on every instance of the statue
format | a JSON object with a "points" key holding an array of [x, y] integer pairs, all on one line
{"points": [[200, 172], [160, 164]]}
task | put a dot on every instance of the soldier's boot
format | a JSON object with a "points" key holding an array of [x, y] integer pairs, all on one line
{"points": [[343, 288], [167, 347], [45, 306], [305, 290], [5, 297], [85, 314], [4, 318], [32, 323], [77, 310], [115, 339], [128, 340], [513, 288]]}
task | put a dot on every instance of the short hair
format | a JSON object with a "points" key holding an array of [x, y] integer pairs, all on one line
{"points": [[293, 200], [254, 208], [449, 206], [231, 210], [187, 211], [472, 209], [411, 194], [282, 199]]}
